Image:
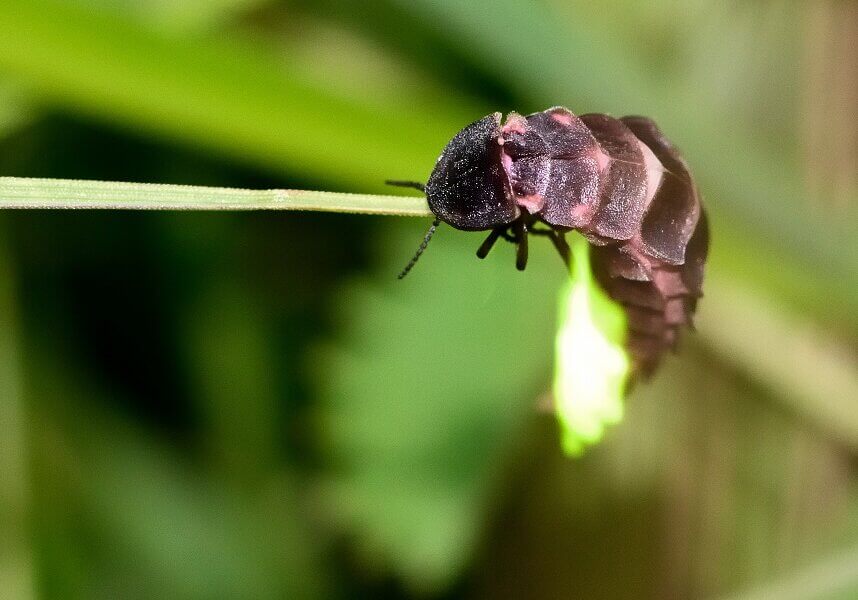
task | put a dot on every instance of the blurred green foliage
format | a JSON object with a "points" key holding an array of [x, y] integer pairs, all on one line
{"points": [[250, 406]]}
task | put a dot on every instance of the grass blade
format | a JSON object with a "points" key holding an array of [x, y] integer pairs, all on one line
{"points": [[21, 192]]}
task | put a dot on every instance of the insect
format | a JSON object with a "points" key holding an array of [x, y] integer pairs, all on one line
{"points": [[619, 182]]}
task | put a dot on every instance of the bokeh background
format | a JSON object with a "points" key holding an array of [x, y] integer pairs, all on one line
{"points": [[249, 405]]}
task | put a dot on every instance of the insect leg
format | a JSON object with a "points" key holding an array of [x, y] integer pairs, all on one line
{"points": [[510, 237], [558, 238], [486, 246], [521, 249], [409, 184]]}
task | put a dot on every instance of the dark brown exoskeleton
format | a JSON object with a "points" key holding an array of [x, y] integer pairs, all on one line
{"points": [[619, 182]]}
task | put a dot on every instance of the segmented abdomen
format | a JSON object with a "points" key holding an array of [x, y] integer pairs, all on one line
{"points": [[660, 298], [623, 185]]}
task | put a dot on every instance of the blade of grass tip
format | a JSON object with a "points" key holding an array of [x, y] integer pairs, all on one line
{"points": [[27, 193], [15, 555]]}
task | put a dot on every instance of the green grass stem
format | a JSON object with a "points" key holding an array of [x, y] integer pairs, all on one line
{"points": [[27, 193]]}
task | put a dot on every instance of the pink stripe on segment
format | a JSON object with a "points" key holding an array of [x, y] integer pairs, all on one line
{"points": [[506, 162], [579, 211], [564, 118], [669, 282], [675, 312], [654, 173], [602, 159], [532, 203]]}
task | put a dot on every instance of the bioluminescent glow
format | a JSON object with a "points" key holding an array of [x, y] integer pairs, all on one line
{"points": [[592, 366]]}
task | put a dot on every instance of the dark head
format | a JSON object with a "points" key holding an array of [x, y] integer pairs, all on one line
{"points": [[467, 188], [485, 177]]}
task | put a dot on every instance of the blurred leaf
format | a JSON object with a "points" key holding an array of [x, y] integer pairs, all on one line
{"points": [[334, 58], [234, 376], [812, 373], [232, 96], [184, 16], [14, 108], [424, 391], [834, 578]]}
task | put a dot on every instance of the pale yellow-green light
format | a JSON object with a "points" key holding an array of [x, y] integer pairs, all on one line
{"points": [[592, 366]]}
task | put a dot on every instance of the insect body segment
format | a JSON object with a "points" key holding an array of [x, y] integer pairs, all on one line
{"points": [[619, 182]]}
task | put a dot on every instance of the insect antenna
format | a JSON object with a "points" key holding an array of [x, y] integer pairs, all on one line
{"points": [[408, 184], [420, 248]]}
